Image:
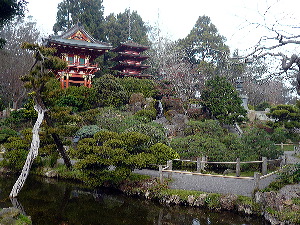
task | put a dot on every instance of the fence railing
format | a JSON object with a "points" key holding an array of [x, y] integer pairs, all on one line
{"points": [[202, 163]]}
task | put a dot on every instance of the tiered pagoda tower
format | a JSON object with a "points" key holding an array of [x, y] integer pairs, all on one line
{"points": [[130, 60], [79, 49]]}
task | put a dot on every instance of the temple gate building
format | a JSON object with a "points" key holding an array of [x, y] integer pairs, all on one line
{"points": [[79, 49]]}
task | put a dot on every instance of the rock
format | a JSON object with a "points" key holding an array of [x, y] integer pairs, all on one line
{"points": [[245, 208], [191, 200], [228, 201], [271, 200], [51, 174], [200, 201], [7, 221], [9, 212]]}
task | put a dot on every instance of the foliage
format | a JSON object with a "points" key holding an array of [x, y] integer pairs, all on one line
{"points": [[110, 92], [5, 133], [162, 153], [262, 106], [147, 113], [16, 150], [279, 135], [155, 131], [136, 85], [258, 144], [24, 114], [79, 98], [111, 156], [116, 28], [8, 10], [205, 45], [285, 115], [207, 127], [221, 100], [87, 131], [89, 13]]}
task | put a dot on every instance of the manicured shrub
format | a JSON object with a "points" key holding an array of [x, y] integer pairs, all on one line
{"points": [[87, 131]]}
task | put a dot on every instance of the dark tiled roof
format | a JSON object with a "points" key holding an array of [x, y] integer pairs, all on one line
{"points": [[130, 45], [79, 43], [64, 39]]}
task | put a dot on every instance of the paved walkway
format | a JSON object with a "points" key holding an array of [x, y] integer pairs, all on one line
{"points": [[222, 185]]}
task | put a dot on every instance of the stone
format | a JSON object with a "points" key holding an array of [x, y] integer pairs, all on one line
{"points": [[9, 212], [51, 174], [191, 200], [228, 201], [200, 201]]}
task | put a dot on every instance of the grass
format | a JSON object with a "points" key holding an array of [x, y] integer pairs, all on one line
{"points": [[183, 194], [286, 147]]}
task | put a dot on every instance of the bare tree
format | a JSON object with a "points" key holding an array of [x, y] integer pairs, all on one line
{"points": [[281, 43], [15, 61]]}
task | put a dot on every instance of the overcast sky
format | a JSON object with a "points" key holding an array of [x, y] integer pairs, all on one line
{"points": [[177, 18]]}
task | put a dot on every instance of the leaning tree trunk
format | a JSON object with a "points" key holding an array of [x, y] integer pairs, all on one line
{"points": [[33, 152], [59, 144]]}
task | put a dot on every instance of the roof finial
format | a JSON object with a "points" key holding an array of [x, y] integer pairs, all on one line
{"points": [[129, 24]]}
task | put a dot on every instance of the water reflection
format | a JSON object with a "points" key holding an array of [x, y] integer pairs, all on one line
{"points": [[51, 202]]}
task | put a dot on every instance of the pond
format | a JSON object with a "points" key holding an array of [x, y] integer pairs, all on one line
{"points": [[49, 201]]}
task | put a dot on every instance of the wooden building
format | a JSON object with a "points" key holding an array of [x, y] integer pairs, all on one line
{"points": [[130, 60], [79, 49]]}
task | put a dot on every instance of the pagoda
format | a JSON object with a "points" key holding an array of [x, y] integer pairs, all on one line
{"points": [[130, 60], [79, 49]]}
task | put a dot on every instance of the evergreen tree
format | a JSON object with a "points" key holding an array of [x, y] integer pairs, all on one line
{"points": [[205, 46], [222, 101], [8, 10], [87, 12]]}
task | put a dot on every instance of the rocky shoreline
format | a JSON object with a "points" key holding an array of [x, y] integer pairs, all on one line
{"points": [[12, 215], [276, 207]]}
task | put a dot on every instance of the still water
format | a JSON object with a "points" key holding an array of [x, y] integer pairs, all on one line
{"points": [[53, 202]]}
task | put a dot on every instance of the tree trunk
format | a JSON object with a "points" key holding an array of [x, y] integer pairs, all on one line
{"points": [[59, 144], [33, 152]]}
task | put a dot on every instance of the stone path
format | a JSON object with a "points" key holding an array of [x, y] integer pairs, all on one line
{"points": [[222, 185]]}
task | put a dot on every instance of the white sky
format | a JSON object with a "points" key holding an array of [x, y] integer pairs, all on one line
{"points": [[176, 18]]}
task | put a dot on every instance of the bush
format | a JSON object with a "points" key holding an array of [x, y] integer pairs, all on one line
{"points": [[149, 114], [87, 131], [162, 153], [5, 133], [155, 131]]}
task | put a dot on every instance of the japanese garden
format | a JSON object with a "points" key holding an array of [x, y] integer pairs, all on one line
{"points": [[107, 122]]}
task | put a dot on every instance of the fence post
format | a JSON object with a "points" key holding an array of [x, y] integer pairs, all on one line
{"points": [[160, 174], [238, 167], [198, 164], [281, 145], [170, 167], [264, 166], [203, 163], [256, 180]]}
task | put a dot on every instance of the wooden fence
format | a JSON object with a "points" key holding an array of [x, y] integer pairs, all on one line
{"points": [[202, 162]]}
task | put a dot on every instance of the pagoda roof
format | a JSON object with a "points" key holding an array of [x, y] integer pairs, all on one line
{"points": [[122, 66], [128, 45], [123, 56], [77, 36]]}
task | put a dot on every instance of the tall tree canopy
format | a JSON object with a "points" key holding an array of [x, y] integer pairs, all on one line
{"points": [[8, 10], [204, 43], [118, 28], [87, 12]]}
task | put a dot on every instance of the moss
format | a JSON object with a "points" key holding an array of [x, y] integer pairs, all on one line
{"points": [[250, 202], [183, 194], [23, 220], [213, 201]]}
